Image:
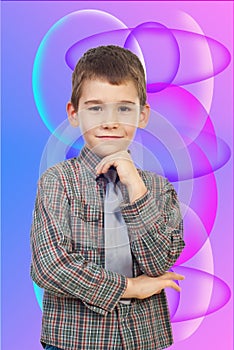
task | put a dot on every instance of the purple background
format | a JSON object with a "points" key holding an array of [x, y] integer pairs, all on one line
{"points": [[24, 135]]}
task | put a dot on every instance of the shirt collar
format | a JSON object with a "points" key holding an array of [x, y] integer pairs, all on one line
{"points": [[89, 160]]}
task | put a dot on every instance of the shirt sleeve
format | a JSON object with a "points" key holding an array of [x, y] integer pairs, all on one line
{"points": [[54, 267], [155, 229]]}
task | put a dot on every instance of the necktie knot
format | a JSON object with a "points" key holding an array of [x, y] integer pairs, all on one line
{"points": [[112, 175]]}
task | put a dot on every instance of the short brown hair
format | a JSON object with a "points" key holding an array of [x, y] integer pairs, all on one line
{"points": [[112, 63]]}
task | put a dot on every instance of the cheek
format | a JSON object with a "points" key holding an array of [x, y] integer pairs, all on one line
{"points": [[131, 123], [88, 126], [130, 131]]}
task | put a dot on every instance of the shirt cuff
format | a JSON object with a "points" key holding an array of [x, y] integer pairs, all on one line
{"points": [[107, 293]]}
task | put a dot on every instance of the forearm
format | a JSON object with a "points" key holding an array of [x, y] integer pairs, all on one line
{"points": [[155, 231], [155, 252], [70, 275], [136, 189], [143, 286], [60, 269]]}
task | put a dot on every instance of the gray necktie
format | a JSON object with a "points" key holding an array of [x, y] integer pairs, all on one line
{"points": [[118, 256]]}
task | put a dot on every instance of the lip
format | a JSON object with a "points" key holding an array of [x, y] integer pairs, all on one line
{"points": [[109, 137]]}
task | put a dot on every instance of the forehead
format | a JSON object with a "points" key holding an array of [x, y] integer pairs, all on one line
{"points": [[102, 90]]}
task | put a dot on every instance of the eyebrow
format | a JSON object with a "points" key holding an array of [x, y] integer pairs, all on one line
{"points": [[98, 102]]}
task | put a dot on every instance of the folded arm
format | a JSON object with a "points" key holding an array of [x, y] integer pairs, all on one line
{"points": [[55, 267]]}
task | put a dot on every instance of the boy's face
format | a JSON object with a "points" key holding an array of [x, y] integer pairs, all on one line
{"points": [[108, 115]]}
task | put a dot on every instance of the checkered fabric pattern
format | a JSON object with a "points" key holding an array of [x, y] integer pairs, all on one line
{"points": [[81, 308]]}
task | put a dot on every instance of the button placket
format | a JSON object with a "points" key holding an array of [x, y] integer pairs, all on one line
{"points": [[126, 332]]}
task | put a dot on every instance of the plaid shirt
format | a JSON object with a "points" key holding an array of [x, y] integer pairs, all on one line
{"points": [[81, 308]]}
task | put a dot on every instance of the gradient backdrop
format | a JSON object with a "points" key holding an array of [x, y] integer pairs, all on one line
{"points": [[186, 49]]}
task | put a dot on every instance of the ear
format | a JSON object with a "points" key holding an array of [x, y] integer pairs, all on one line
{"points": [[72, 115], [144, 116]]}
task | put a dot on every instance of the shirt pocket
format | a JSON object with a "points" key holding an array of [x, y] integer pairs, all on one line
{"points": [[85, 225], [79, 251]]}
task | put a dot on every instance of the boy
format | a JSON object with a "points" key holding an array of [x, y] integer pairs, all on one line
{"points": [[89, 303]]}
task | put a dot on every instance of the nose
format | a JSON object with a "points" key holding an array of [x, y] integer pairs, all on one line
{"points": [[110, 119]]}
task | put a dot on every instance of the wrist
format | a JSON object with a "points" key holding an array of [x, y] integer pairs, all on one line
{"points": [[136, 190], [129, 292]]}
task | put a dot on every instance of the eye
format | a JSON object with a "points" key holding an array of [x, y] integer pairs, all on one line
{"points": [[95, 109], [124, 109]]}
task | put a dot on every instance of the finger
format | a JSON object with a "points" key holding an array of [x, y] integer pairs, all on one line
{"points": [[100, 166], [178, 277], [158, 292], [104, 164], [103, 168], [173, 285], [172, 276], [107, 166]]}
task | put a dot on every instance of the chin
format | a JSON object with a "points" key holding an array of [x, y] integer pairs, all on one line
{"points": [[107, 148]]}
